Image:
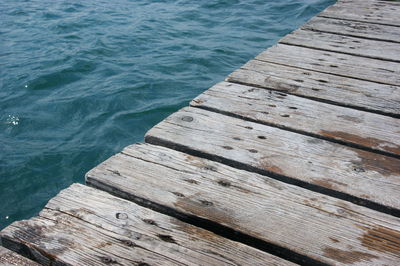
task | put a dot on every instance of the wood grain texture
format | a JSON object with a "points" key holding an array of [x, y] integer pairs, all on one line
{"points": [[10, 258], [321, 227], [377, 12], [270, 150], [333, 63], [86, 226], [365, 129], [344, 44], [364, 95], [354, 29]]}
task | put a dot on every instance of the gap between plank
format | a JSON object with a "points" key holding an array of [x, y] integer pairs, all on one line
{"points": [[313, 98], [324, 72], [348, 35], [338, 141], [209, 225], [355, 20], [333, 51], [242, 166]]}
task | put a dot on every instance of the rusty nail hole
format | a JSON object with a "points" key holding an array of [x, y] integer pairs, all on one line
{"points": [[292, 107], [206, 203], [285, 115], [306, 73], [253, 151], [180, 195], [262, 137], [107, 260], [248, 127], [128, 243], [187, 118], [227, 147], [359, 169], [149, 221], [167, 238], [121, 216], [237, 138], [224, 183]]}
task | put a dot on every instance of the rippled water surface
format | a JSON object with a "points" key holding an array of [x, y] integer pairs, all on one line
{"points": [[79, 80]]}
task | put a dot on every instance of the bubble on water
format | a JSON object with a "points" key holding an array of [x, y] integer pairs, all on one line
{"points": [[12, 120], [26, 86], [7, 217]]}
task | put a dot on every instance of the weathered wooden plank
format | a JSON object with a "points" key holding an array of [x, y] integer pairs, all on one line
{"points": [[344, 44], [86, 226], [314, 225], [270, 150], [333, 63], [354, 28], [360, 128], [364, 95], [9, 258], [379, 12]]}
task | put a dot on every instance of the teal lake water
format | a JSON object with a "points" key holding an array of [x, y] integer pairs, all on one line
{"points": [[80, 80]]}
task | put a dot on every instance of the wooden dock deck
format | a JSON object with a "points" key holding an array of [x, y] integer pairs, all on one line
{"points": [[293, 159]]}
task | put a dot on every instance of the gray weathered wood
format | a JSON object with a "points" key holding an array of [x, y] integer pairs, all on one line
{"points": [[299, 114], [10, 258], [378, 12], [268, 150], [354, 28], [318, 226], [350, 92], [86, 226], [344, 44], [333, 63]]}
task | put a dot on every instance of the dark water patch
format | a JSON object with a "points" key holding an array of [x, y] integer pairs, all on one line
{"points": [[81, 80]]}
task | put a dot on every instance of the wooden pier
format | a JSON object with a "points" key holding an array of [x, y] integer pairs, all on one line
{"points": [[293, 159]]}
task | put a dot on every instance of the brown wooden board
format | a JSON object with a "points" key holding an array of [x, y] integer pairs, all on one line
{"points": [[381, 50], [354, 29], [286, 155], [360, 94], [378, 12], [333, 63], [311, 224], [86, 226], [363, 129], [10, 258]]}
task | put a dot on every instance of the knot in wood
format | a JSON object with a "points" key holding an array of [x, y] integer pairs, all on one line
{"points": [[107, 260], [128, 243]]}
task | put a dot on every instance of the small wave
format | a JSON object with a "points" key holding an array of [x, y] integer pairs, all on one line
{"points": [[12, 120]]}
